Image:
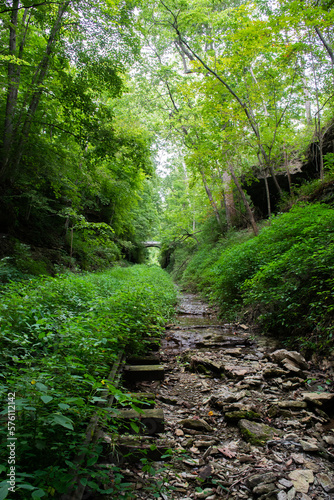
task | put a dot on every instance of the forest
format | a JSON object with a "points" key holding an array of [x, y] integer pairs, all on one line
{"points": [[205, 126]]}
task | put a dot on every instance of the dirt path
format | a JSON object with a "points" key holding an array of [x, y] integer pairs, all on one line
{"points": [[246, 419]]}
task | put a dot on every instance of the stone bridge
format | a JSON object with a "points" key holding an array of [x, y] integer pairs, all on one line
{"points": [[151, 244]]}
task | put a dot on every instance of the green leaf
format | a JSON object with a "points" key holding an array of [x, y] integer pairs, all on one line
{"points": [[41, 386], [134, 427], [3, 492], [63, 421], [46, 399], [38, 494], [63, 406]]}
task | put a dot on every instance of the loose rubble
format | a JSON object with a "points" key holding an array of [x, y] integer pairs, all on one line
{"points": [[245, 420]]}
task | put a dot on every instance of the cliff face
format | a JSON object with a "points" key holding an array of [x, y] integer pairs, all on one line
{"points": [[300, 172]]}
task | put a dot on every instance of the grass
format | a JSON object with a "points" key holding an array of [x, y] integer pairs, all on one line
{"points": [[60, 337]]}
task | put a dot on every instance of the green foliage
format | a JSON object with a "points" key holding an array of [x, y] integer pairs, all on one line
{"points": [[60, 337], [284, 278]]}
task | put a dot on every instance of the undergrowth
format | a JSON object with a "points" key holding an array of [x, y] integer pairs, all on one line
{"points": [[60, 337], [283, 279]]}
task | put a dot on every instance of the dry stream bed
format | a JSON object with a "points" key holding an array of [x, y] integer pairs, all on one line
{"points": [[244, 418]]}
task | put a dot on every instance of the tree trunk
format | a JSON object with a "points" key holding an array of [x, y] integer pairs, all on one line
{"points": [[37, 82], [244, 199], [268, 195], [13, 83], [212, 201], [228, 197]]}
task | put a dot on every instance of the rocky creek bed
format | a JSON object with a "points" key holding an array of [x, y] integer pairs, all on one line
{"points": [[245, 418]]}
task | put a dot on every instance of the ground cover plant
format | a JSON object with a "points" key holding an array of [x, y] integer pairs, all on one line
{"points": [[283, 278], [60, 337]]}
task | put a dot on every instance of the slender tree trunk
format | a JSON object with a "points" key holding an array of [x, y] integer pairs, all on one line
{"points": [[266, 186], [287, 168], [317, 120], [307, 103], [228, 196], [325, 44], [212, 201], [13, 83], [37, 83], [244, 199], [247, 109], [267, 195]]}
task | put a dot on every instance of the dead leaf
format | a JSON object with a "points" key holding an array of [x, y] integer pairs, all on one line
{"points": [[205, 472], [227, 452]]}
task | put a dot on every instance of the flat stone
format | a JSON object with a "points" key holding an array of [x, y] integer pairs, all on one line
{"points": [[240, 414], [282, 496], [235, 371], [292, 404], [256, 479], [205, 493], [301, 479], [261, 489], [285, 482], [291, 366], [309, 446], [291, 493], [319, 398], [326, 482], [152, 420], [233, 352], [168, 400], [198, 363], [227, 397], [138, 373], [272, 371], [256, 433], [281, 354], [196, 424], [329, 440]]}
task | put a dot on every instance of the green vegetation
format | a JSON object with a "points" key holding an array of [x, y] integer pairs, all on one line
{"points": [[282, 279], [60, 337]]}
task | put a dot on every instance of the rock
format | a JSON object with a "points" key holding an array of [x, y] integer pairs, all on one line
{"points": [[282, 354], [292, 404], [329, 440], [235, 371], [179, 432], [310, 445], [298, 458], [240, 414], [233, 352], [256, 433], [291, 493], [205, 493], [202, 364], [301, 479], [326, 482], [264, 488], [285, 482], [256, 479], [168, 400], [282, 496], [291, 366], [325, 399], [227, 397], [196, 424], [272, 371]]}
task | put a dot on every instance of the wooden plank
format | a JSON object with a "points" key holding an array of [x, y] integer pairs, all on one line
{"points": [[138, 373]]}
